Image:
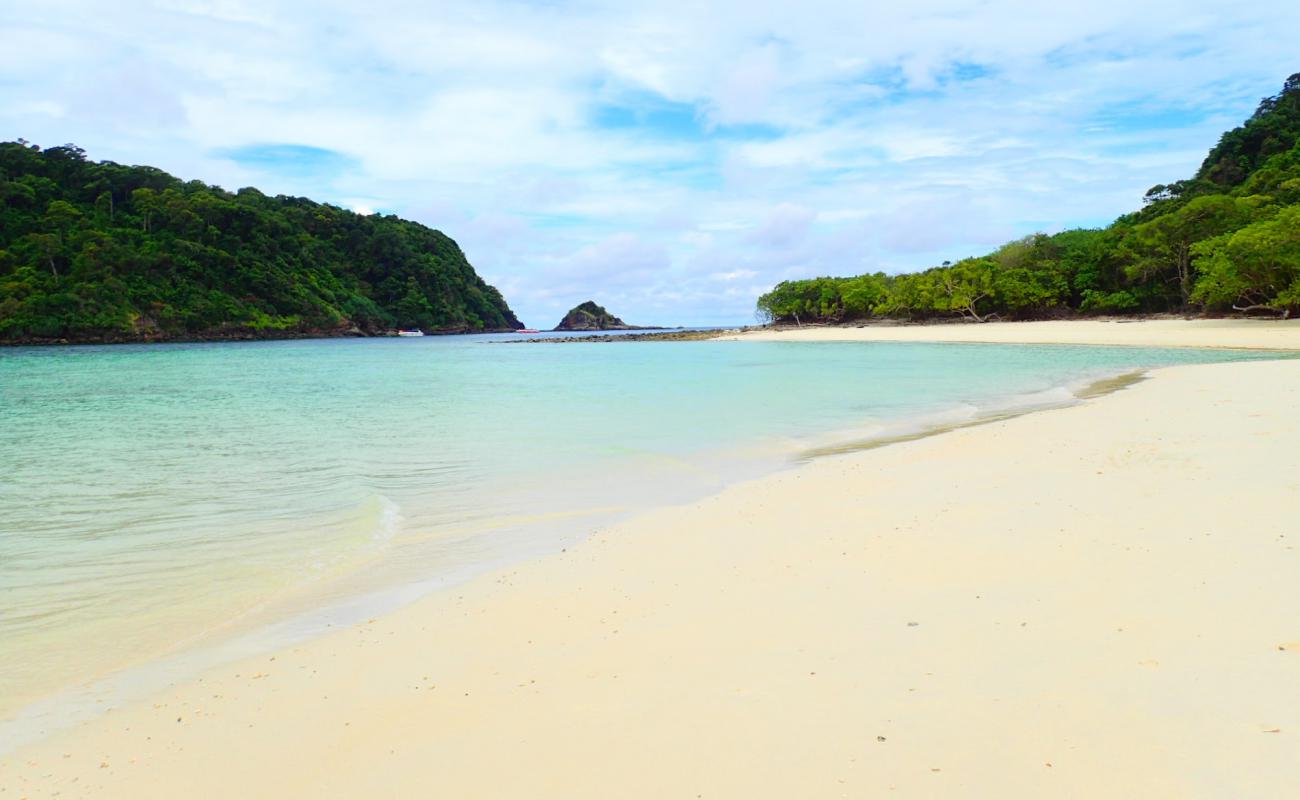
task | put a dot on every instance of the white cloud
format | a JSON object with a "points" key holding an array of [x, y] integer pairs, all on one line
{"points": [[785, 225], [734, 275], [747, 89]]}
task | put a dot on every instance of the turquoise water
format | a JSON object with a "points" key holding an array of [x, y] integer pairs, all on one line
{"points": [[158, 497]]}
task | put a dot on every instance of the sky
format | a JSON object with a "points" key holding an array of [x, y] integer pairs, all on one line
{"points": [[669, 160]]}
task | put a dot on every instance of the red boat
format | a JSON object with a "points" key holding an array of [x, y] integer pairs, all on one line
{"points": [[527, 330]]}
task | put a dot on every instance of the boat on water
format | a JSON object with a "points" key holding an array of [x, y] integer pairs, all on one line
{"points": [[527, 330], [416, 332]]}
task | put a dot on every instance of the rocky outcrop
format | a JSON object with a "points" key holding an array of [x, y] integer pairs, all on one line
{"points": [[590, 317]]}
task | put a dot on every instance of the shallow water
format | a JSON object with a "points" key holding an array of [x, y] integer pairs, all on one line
{"points": [[169, 495]]}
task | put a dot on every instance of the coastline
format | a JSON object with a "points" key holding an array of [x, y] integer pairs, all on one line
{"points": [[1090, 390], [389, 543], [1213, 333], [1244, 334], [233, 336], [1086, 593], [301, 612]]}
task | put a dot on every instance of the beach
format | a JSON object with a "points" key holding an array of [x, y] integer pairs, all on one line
{"points": [[1091, 601], [1266, 334]]}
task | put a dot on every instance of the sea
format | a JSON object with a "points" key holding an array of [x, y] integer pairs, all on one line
{"points": [[167, 506]]}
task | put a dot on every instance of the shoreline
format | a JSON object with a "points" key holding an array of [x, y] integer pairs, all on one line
{"points": [[1092, 390], [1201, 333], [257, 631], [218, 338], [735, 577], [1076, 331]]}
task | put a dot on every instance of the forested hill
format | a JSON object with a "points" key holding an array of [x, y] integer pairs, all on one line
{"points": [[105, 252], [1227, 239]]}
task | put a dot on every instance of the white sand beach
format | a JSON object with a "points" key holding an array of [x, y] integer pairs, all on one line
{"points": [[1096, 601], [1267, 334]]}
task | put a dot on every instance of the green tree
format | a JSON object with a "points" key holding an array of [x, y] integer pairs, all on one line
{"points": [[1163, 246], [968, 288], [60, 218], [145, 202], [861, 295], [1254, 268], [188, 259], [1223, 239]]}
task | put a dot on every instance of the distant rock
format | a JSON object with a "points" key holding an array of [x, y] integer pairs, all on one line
{"points": [[590, 317]]}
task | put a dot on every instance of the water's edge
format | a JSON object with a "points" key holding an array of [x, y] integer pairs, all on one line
{"points": [[67, 708], [1090, 391]]}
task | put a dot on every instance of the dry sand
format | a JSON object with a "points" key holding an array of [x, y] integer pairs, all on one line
{"points": [[1244, 333], [1095, 602]]}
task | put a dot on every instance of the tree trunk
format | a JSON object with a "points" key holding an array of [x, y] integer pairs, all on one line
{"points": [[1185, 273], [970, 307], [1283, 313]]}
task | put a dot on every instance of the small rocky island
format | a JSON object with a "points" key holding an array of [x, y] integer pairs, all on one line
{"points": [[590, 317]]}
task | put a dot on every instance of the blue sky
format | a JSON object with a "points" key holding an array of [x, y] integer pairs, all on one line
{"points": [[670, 160]]}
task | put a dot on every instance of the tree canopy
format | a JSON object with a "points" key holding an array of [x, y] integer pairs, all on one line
{"points": [[98, 251], [1227, 239]]}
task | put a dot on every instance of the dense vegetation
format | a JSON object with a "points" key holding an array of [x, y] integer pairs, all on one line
{"points": [[1226, 240], [104, 252]]}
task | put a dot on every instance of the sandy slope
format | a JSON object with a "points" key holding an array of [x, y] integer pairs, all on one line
{"points": [[1247, 333], [1098, 601]]}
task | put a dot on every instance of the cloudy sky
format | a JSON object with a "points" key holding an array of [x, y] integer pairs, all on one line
{"points": [[670, 160]]}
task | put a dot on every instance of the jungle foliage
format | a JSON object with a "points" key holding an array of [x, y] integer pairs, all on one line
{"points": [[1227, 239], [104, 252]]}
